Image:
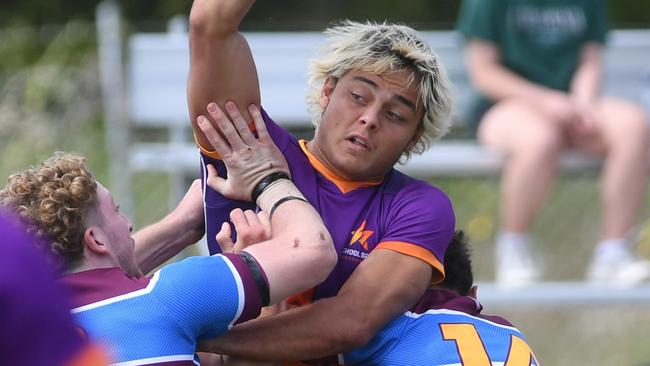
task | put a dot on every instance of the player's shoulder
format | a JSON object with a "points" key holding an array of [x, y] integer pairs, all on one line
{"points": [[405, 187]]}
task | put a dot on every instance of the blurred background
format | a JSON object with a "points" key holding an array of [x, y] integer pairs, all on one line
{"points": [[50, 99]]}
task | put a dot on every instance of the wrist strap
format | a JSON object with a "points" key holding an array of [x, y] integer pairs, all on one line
{"points": [[258, 276], [283, 200], [265, 182]]}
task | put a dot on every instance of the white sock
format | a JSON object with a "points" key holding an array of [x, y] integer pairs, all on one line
{"points": [[511, 239], [611, 247]]}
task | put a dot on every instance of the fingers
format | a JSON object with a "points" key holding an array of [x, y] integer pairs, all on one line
{"points": [[260, 126], [265, 221], [216, 140], [224, 238], [249, 228], [226, 126], [214, 180], [240, 123]]}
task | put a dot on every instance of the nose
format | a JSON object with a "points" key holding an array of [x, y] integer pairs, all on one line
{"points": [[370, 118]]}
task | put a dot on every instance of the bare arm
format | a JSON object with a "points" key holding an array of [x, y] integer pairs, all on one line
{"points": [[384, 285], [498, 83], [300, 253], [585, 86], [221, 64], [184, 226], [492, 78]]}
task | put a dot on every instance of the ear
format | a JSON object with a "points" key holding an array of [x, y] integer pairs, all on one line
{"points": [[94, 241], [414, 140], [326, 92], [473, 292]]}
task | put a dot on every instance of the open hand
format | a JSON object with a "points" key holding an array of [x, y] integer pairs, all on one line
{"points": [[248, 159]]}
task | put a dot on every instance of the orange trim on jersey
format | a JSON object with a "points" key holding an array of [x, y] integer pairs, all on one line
{"points": [[213, 154], [418, 252], [89, 356], [343, 184], [303, 298]]}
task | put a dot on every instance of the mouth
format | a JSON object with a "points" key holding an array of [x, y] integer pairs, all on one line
{"points": [[359, 141]]}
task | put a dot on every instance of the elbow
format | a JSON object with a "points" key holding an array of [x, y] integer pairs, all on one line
{"points": [[199, 19], [357, 335], [214, 19], [324, 257], [318, 256], [476, 75]]}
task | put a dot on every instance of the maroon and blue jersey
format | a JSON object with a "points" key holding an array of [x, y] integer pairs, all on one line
{"points": [[398, 213], [444, 328], [157, 320]]}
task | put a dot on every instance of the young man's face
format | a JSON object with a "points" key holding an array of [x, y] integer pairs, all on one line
{"points": [[116, 232], [368, 122]]}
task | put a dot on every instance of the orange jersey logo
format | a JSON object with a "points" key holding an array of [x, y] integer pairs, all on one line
{"points": [[361, 235]]}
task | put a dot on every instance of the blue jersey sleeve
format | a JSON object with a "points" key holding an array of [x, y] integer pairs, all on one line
{"points": [[382, 344], [207, 295]]}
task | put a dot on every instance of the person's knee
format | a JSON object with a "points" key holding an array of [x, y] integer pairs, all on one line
{"points": [[516, 127], [633, 128]]}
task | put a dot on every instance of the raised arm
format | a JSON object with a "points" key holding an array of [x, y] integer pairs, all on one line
{"points": [[221, 64]]}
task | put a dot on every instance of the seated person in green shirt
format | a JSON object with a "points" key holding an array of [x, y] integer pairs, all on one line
{"points": [[538, 67]]}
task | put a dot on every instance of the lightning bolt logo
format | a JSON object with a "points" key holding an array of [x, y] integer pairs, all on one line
{"points": [[361, 235]]}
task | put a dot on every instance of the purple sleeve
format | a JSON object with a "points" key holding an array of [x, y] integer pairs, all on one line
{"points": [[421, 224], [37, 328], [217, 207]]}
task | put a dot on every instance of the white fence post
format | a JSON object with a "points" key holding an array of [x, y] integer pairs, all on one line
{"points": [[109, 36]]}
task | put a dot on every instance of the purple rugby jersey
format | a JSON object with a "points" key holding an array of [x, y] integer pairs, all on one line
{"points": [[399, 213], [37, 328]]}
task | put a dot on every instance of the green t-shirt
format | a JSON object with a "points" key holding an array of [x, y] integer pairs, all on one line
{"points": [[540, 40]]}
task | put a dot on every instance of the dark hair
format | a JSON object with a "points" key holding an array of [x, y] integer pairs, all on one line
{"points": [[458, 265]]}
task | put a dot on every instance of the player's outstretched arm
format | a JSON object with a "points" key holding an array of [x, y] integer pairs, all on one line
{"points": [[221, 64], [300, 253], [384, 285], [184, 226]]}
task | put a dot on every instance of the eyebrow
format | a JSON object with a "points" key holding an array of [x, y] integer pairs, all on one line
{"points": [[406, 101]]}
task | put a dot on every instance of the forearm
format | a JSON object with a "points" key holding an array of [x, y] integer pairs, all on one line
{"points": [[301, 333], [384, 285], [298, 256], [157, 243], [586, 83]]}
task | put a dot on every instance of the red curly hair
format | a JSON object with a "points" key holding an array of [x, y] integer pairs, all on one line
{"points": [[52, 199]]}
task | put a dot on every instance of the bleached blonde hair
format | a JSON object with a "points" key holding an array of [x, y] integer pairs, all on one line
{"points": [[378, 49]]}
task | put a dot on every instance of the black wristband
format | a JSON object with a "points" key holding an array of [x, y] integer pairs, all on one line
{"points": [[265, 182], [258, 276], [283, 200]]}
